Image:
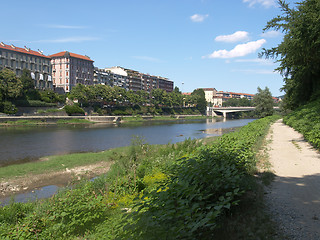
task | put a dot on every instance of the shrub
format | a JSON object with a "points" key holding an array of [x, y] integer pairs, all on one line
{"points": [[306, 120], [74, 110], [8, 108]]}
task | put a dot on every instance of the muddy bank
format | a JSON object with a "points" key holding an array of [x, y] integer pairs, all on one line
{"points": [[59, 178]]}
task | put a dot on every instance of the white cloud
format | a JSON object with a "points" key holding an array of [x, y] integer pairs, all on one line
{"points": [[264, 3], [69, 40], [198, 17], [271, 34], [235, 37], [239, 51], [146, 58]]}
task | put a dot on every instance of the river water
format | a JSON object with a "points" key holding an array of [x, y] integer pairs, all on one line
{"points": [[22, 144]]}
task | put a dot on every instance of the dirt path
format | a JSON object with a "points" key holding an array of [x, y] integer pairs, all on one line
{"points": [[294, 196]]}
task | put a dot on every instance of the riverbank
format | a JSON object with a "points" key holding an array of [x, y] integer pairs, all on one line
{"points": [[147, 175], [49, 120]]}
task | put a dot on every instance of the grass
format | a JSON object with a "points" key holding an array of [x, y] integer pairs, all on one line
{"points": [[57, 163], [51, 110], [99, 209], [25, 122], [74, 121], [160, 118]]}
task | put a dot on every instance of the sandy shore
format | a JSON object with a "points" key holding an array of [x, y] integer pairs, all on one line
{"points": [[294, 196]]}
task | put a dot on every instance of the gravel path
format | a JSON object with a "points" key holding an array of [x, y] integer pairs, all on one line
{"points": [[294, 196]]}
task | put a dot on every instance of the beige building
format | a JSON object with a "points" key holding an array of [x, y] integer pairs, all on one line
{"points": [[17, 59], [69, 69], [210, 93]]}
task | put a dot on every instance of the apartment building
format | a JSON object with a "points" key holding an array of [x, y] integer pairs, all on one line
{"points": [[210, 93], [141, 81], [17, 59], [69, 69]]}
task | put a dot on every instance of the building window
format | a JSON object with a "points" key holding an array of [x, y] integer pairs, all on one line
{"points": [[67, 73]]}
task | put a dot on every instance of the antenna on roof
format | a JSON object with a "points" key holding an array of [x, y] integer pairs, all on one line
{"points": [[2, 44], [41, 52], [13, 46], [27, 49]]}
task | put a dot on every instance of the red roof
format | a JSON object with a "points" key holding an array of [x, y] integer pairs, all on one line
{"points": [[70, 54], [22, 50]]}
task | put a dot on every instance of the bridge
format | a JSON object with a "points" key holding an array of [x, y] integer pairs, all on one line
{"points": [[212, 111]]}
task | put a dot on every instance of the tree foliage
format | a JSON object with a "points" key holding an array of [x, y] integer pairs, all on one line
{"points": [[263, 102], [200, 100], [237, 102], [299, 51], [10, 85]]}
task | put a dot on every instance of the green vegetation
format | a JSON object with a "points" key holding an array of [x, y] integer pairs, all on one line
{"points": [[263, 102], [19, 91], [160, 118], [298, 52], [176, 191], [23, 122], [59, 162], [306, 120], [237, 102], [74, 110], [74, 121]]}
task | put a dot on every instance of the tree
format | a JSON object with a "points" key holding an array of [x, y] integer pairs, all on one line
{"points": [[263, 102], [10, 85], [299, 51], [237, 102], [26, 80], [200, 100], [79, 92]]}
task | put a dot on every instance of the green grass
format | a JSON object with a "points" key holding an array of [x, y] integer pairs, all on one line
{"points": [[74, 121], [186, 190], [161, 118], [57, 163], [23, 122]]}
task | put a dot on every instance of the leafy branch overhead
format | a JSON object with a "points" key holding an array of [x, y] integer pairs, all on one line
{"points": [[299, 51]]}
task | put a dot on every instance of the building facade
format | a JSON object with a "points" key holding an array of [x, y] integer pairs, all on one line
{"points": [[69, 69], [140, 81], [17, 59]]}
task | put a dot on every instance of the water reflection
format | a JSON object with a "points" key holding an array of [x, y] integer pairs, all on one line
{"points": [[30, 143], [32, 196]]}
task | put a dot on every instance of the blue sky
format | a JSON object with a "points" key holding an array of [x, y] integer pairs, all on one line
{"points": [[195, 43]]}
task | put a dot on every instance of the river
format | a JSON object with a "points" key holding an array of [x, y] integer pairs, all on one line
{"points": [[23, 144]]}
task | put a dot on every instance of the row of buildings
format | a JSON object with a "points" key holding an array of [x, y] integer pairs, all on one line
{"points": [[63, 70], [216, 98]]}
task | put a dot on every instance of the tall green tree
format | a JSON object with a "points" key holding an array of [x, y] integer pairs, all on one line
{"points": [[299, 51], [263, 102], [10, 85], [26, 80], [200, 100]]}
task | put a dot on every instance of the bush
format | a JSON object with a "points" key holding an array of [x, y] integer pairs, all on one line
{"points": [[306, 120], [74, 110], [8, 108]]}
